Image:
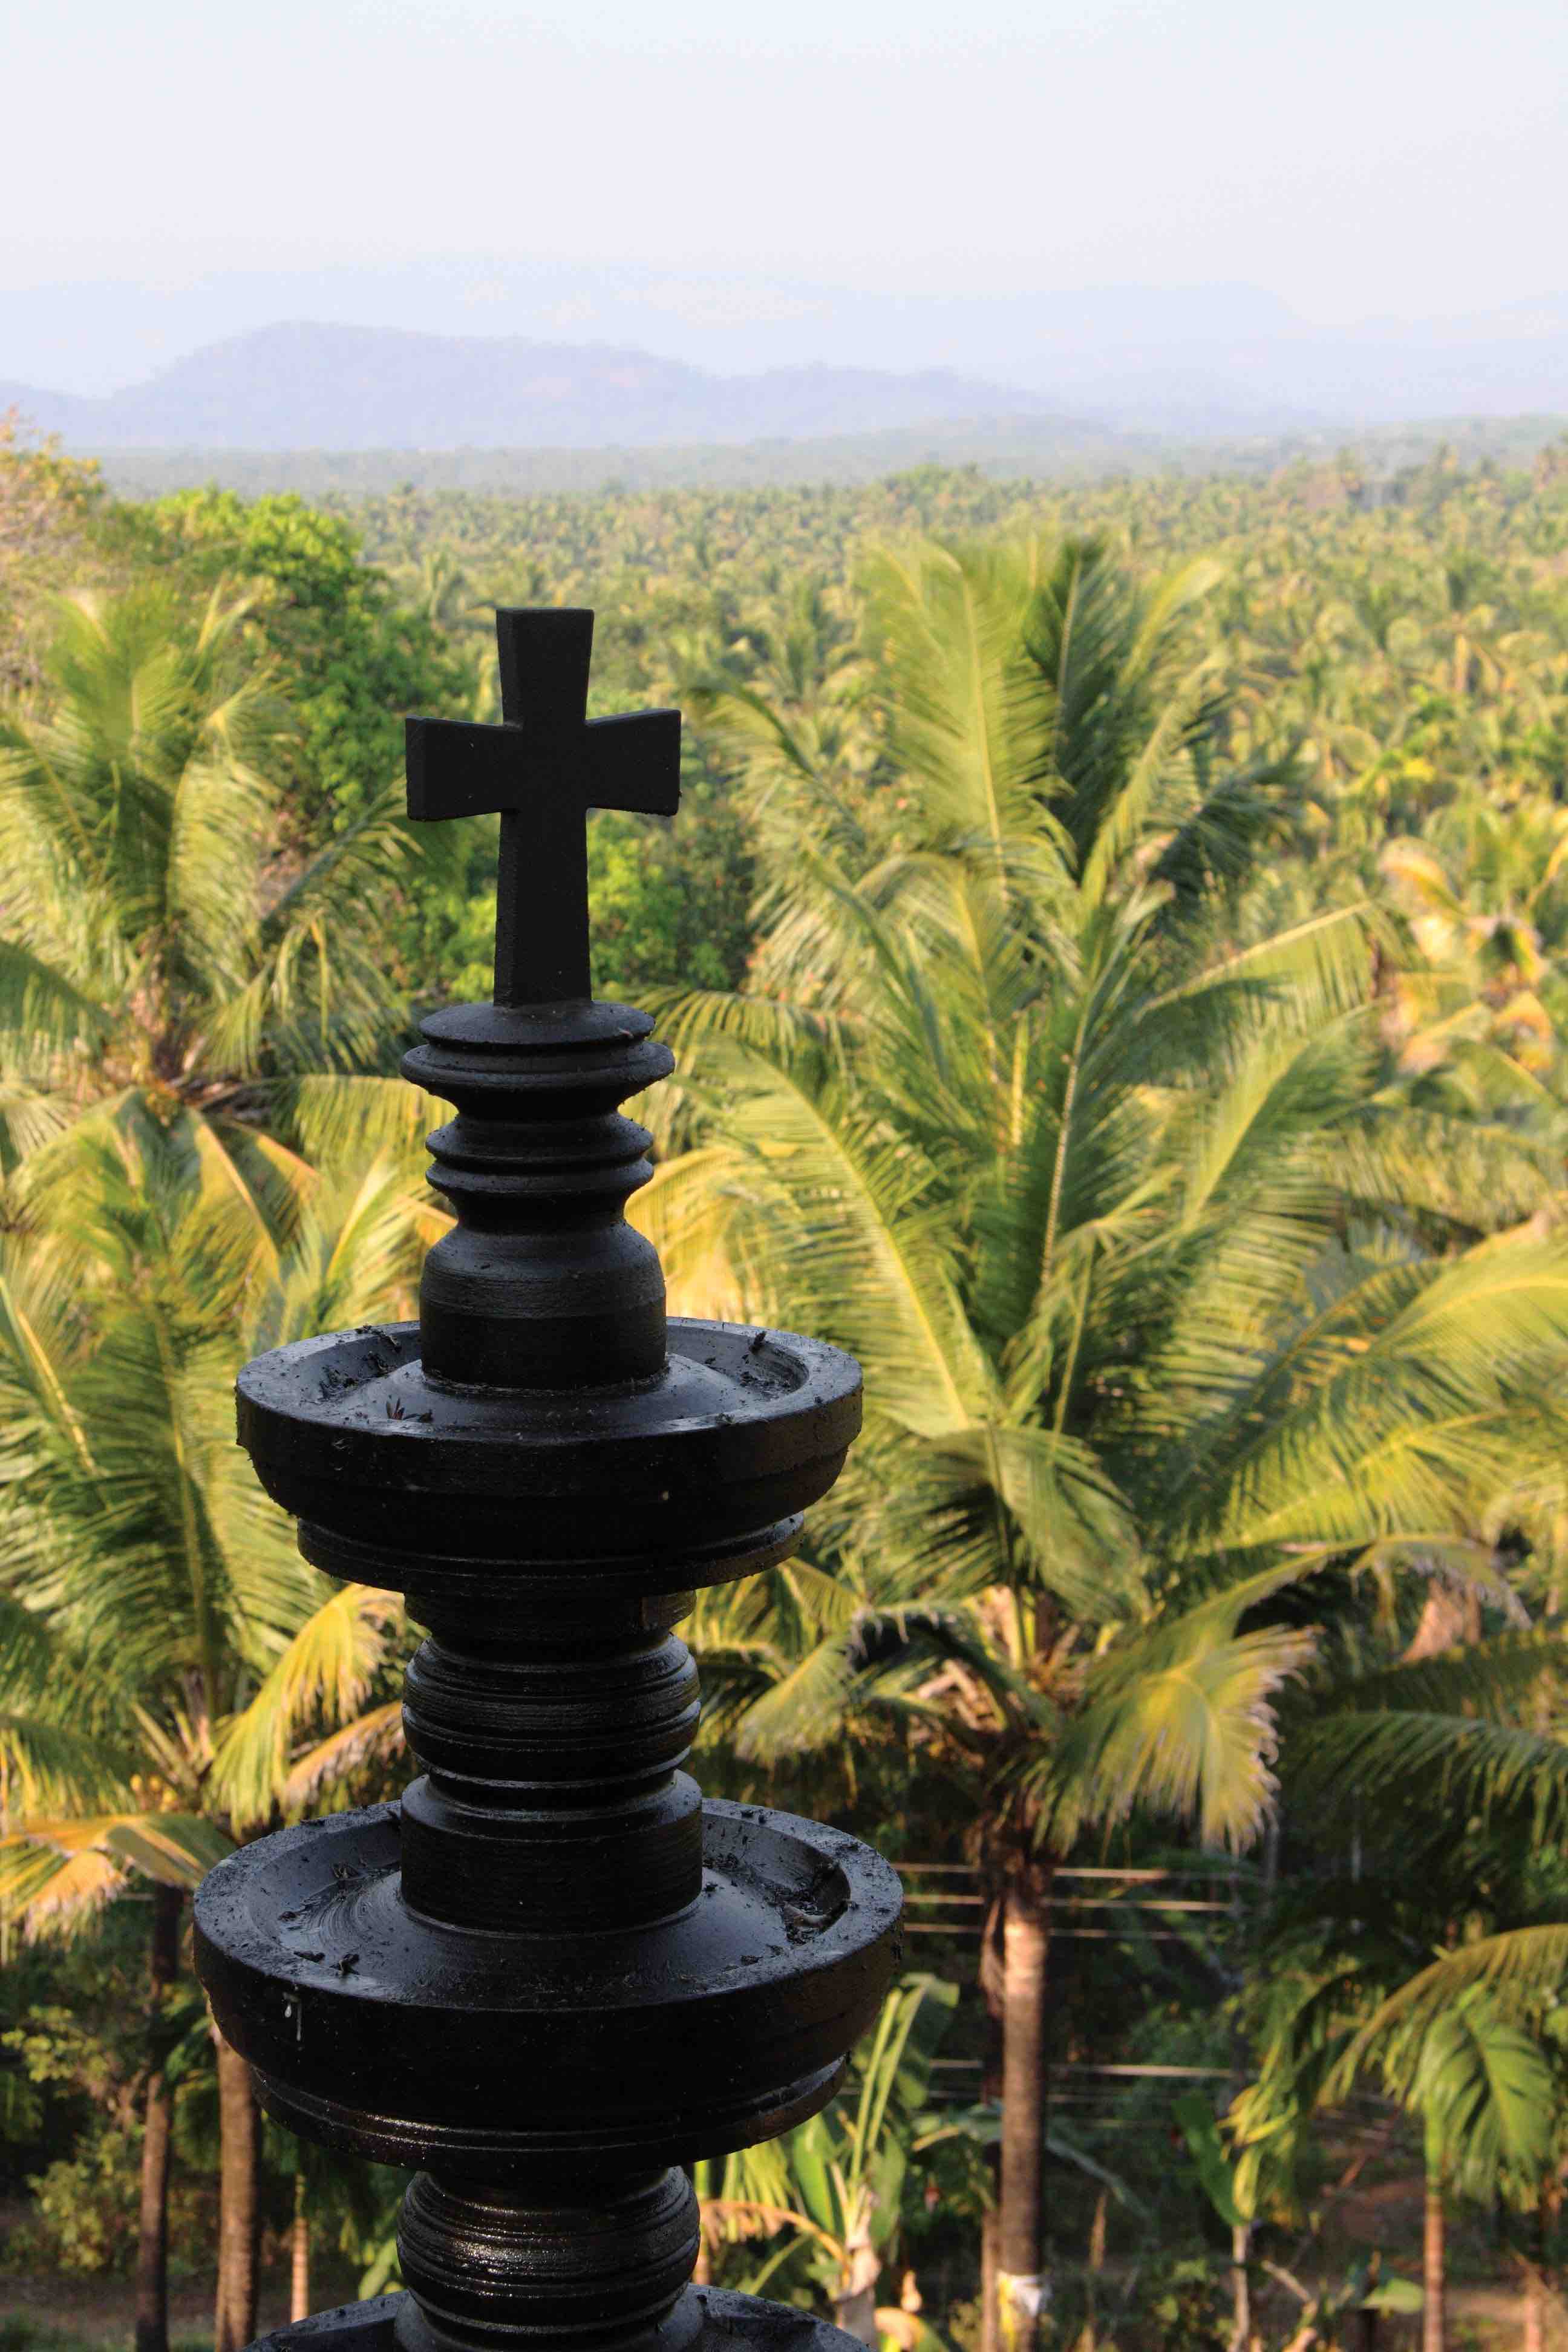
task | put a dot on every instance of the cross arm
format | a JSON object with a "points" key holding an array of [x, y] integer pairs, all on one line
{"points": [[634, 763], [457, 767]]}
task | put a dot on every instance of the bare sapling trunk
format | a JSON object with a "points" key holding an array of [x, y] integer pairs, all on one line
{"points": [[152, 2218], [855, 2305], [856, 2312], [1434, 2268], [299, 2253], [239, 2153], [1089, 2336], [1240, 2285], [1026, 1943]]}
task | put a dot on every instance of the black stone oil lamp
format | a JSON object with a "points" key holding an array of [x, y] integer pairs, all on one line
{"points": [[552, 1976]]}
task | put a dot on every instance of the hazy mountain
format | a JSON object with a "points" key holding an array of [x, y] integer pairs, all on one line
{"points": [[304, 386], [94, 338], [1187, 360]]}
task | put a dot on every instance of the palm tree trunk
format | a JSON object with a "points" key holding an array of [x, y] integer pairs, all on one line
{"points": [[1534, 2309], [990, 2263], [1434, 2271], [299, 2269], [152, 2220], [1026, 1945], [1537, 2282], [239, 2136]]}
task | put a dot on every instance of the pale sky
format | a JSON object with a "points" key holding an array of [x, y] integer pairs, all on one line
{"points": [[1354, 156]]}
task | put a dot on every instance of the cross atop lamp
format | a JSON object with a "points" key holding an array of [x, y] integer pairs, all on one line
{"points": [[542, 769]]}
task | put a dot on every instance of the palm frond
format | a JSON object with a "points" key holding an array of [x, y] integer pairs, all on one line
{"points": [[1179, 1722], [55, 1874], [322, 1675], [378, 1732]]}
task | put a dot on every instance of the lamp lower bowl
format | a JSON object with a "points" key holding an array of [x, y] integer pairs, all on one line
{"points": [[375, 2029], [729, 2322]]}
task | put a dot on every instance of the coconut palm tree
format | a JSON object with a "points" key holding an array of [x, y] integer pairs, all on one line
{"points": [[1088, 1159], [1478, 1005], [170, 1670], [1448, 1773], [161, 933], [1484, 2094]]}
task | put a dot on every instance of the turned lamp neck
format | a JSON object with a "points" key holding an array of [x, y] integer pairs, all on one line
{"points": [[552, 1800], [543, 1283]]}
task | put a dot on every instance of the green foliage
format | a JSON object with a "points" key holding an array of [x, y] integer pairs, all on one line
{"points": [[1183, 2299], [1199, 2127], [47, 501], [83, 2062], [670, 906], [349, 657], [84, 2208], [836, 2185], [1486, 2094]]}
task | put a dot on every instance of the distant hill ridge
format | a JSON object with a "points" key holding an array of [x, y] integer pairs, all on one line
{"points": [[308, 386]]}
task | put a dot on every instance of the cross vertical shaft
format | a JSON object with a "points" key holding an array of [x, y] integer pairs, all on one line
{"points": [[541, 932], [541, 877]]}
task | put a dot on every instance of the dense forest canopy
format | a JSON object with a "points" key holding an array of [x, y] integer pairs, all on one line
{"points": [[1116, 943], [1003, 448]]}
